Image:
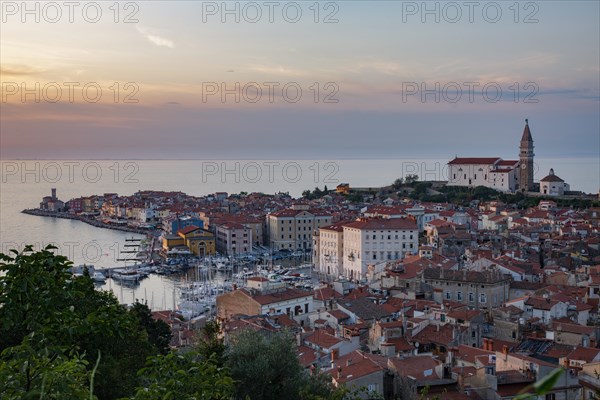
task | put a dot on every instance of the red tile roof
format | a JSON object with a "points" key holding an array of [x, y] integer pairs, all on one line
{"points": [[474, 160], [276, 297], [322, 339], [383, 224], [356, 365], [188, 229]]}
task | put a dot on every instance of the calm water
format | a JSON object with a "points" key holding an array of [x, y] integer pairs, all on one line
{"points": [[24, 183]]}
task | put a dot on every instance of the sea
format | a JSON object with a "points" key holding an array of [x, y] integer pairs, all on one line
{"points": [[24, 183]]}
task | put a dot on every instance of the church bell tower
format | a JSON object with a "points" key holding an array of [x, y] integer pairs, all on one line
{"points": [[526, 160]]}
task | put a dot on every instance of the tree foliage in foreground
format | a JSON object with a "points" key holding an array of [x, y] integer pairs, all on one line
{"points": [[62, 339], [183, 376], [53, 323], [266, 367]]}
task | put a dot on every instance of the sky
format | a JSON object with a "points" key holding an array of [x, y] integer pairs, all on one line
{"points": [[341, 79]]}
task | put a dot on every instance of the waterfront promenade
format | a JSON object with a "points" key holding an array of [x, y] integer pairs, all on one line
{"points": [[90, 221]]}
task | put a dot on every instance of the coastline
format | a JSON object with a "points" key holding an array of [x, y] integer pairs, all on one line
{"points": [[89, 221]]}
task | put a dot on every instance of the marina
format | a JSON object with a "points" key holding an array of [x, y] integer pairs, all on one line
{"points": [[190, 285]]}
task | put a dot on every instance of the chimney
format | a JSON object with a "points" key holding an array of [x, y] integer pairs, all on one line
{"points": [[491, 344], [485, 343], [339, 374], [505, 351]]}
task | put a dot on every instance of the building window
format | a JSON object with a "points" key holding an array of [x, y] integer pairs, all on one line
{"points": [[551, 396], [482, 298], [372, 387], [459, 296], [471, 297], [448, 295]]}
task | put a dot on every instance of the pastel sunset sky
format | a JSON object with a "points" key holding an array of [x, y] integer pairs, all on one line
{"points": [[361, 67]]}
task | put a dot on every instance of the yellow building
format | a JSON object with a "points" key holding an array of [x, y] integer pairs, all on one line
{"points": [[200, 242], [343, 188], [171, 241]]}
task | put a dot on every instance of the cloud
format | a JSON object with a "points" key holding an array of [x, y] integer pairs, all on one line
{"points": [[19, 70], [155, 39]]}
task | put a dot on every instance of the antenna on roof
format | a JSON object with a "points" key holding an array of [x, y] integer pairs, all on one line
{"points": [[526, 121]]}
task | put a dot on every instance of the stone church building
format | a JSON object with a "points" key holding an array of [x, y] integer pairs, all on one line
{"points": [[509, 176]]}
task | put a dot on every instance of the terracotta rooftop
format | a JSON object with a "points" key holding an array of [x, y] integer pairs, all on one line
{"points": [[356, 365], [418, 367], [322, 339], [383, 224], [474, 160], [276, 297]]}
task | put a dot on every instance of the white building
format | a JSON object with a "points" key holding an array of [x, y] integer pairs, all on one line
{"points": [[492, 172], [552, 185], [330, 256], [369, 241]]}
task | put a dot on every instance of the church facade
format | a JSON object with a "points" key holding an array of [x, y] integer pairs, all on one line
{"points": [[503, 175]]}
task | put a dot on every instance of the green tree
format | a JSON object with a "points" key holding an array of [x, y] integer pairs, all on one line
{"points": [[398, 183], [27, 373], [264, 367], [210, 344], [411, 179], [183, 376], [64, 315], [159, 333]]}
